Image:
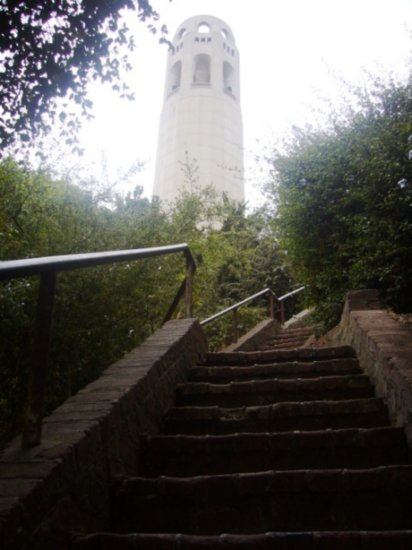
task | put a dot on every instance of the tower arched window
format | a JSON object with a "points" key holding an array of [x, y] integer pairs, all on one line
{"points": [[203, 28], [175, 75], [228, 78], [201, 74]]}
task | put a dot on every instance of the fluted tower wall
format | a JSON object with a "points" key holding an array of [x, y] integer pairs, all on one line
{"points": [[201, 121]]}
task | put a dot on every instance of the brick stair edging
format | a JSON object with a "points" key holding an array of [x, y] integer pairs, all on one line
{"points": [[53, 488], [266, 329], [384, 350], [300, 319]]}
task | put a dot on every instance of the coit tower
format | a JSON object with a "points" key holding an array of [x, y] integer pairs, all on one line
{"points": [[200, 135]]}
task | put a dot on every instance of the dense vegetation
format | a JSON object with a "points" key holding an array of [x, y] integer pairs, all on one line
{"points": [[339, 214], [339, 209], [100, 313], [344, 201]]}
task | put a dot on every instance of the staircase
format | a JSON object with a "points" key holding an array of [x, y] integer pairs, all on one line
{"points": [[280, 449], [287, 338]]}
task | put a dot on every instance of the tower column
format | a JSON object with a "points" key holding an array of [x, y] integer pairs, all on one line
{"points": [[201, 119]]}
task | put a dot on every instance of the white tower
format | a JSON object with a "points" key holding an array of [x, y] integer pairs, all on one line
{"points": [[201, 120]]}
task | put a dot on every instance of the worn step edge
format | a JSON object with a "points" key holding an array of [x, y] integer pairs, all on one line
{"points": [[186, 456], [287, 338], [267, 392], [293, 332], [363, 438], [284, 345], [287, 408], [284, 370], [306, 540], [233, 486], [278, 385], [251, 357]]}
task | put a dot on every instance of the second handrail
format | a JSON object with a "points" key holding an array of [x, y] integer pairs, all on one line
{"points": [[266, 291]]}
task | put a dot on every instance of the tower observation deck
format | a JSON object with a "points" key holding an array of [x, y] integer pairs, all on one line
{"points": [[201, 120]]}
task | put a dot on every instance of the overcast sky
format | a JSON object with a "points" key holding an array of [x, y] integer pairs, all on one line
{"points": [[287, 49]]}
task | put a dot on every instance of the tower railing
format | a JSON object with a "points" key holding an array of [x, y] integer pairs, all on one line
{"points": [[47, 269]]}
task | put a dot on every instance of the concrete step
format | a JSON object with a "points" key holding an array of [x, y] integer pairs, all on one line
{"points": [[265, 392], [297, 330], [279, 449], [299, 500], [318, 540], [238, 358], [288, 338], [184, 456], [307, 415], [293, 332], [292, 369], [284, 344]]}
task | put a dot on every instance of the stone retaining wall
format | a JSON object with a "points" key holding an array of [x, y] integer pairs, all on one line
{"points": [[384, 349], [62, 486]]}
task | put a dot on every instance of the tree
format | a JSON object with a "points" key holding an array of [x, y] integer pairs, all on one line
{"points": [[51, 49], [237, 255], [344, 201], [99, 313]]}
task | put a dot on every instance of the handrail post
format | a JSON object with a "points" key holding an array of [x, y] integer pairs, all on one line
{"points": [[272, 306], [282, 312], [234, 326], [176, 300], [39, 361], [48, 267], [189, 287]]}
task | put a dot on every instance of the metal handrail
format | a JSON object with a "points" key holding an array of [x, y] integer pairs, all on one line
{"points": [[237, 305], [12, 269], [48, 267], [289, 294], [265, 291]]}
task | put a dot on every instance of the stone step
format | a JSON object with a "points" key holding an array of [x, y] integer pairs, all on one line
{"points": [[299, 500], [277, 356], [318, 540], [308, 415], [297, 330], [289, 336], [294, 369], [294, 454], [286, 338], [284, 344], [265, 392], [248, 452]]}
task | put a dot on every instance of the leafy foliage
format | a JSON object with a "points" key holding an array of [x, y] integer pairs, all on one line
{"points": [[102, 312], [344, 198], [52, 49]]}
